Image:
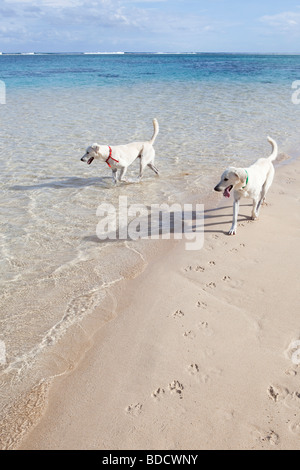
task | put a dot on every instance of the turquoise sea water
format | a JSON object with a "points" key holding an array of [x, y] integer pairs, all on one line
{"points": [[213, 110], [50, 70]]}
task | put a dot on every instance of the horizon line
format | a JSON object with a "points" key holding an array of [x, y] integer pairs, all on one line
{"points": [[146, 52]]}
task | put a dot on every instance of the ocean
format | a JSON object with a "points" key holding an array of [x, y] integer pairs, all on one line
{"points": [[214, 110]]}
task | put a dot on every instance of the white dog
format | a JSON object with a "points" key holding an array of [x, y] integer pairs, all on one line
{"points": [[121, 156], [253, 182]]}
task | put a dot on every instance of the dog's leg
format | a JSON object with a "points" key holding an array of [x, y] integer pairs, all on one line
{"points": [[266, 188], [147, 159], [257, 203], [261, 201], [258, 207], [114, 174], [122, 173], [236, 206], [142, 167], [255, 207], [150, 165]]}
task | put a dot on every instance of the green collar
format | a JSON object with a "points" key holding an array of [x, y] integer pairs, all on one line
{"points": [[246, 179]]}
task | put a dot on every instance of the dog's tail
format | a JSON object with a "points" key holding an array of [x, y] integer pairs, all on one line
{"points": [[274, 154], [156, 131]]}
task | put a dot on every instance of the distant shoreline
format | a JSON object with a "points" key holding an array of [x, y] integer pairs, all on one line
{"points": [[154, 53]]}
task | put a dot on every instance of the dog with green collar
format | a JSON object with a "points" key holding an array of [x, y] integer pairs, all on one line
{"points": [[253, 182]]}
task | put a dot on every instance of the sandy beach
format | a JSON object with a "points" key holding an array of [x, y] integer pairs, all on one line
{"points": [[200, 352]]}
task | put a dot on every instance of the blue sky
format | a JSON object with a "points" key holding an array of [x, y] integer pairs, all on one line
{"points": [[150, 25]]}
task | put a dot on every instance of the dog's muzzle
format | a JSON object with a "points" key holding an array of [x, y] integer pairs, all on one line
{"points": [[89, 161], [226, 191]]}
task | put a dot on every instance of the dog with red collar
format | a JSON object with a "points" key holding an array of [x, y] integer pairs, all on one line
{"points": [[120, 157]]}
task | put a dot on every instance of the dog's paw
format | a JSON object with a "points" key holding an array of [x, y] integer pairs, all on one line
{"points": [[232, 231]]}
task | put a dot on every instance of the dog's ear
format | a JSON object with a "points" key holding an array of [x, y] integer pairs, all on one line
{"points": [[96, 147], [241, 174]]}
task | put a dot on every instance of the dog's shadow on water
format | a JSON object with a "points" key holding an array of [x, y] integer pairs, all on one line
{"points": [[102, 182], [71, 182]]}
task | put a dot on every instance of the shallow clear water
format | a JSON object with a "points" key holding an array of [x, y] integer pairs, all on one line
{"points": [[213, 110]]}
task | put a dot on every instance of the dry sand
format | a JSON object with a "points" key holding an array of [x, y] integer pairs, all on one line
{"points": [[199, 354]]}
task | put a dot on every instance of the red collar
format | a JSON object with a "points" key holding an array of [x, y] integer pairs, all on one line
{"points": [[107, 160]]}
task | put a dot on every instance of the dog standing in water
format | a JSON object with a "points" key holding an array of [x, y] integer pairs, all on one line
{"points": [[119, 157]]}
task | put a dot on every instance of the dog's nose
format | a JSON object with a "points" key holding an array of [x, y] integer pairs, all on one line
{"points": [[217, 188], [82, 159]]}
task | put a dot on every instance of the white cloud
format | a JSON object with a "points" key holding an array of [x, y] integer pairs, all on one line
{"points": [[69, 25], [287, 21], [73, 12], [47, 3]]}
